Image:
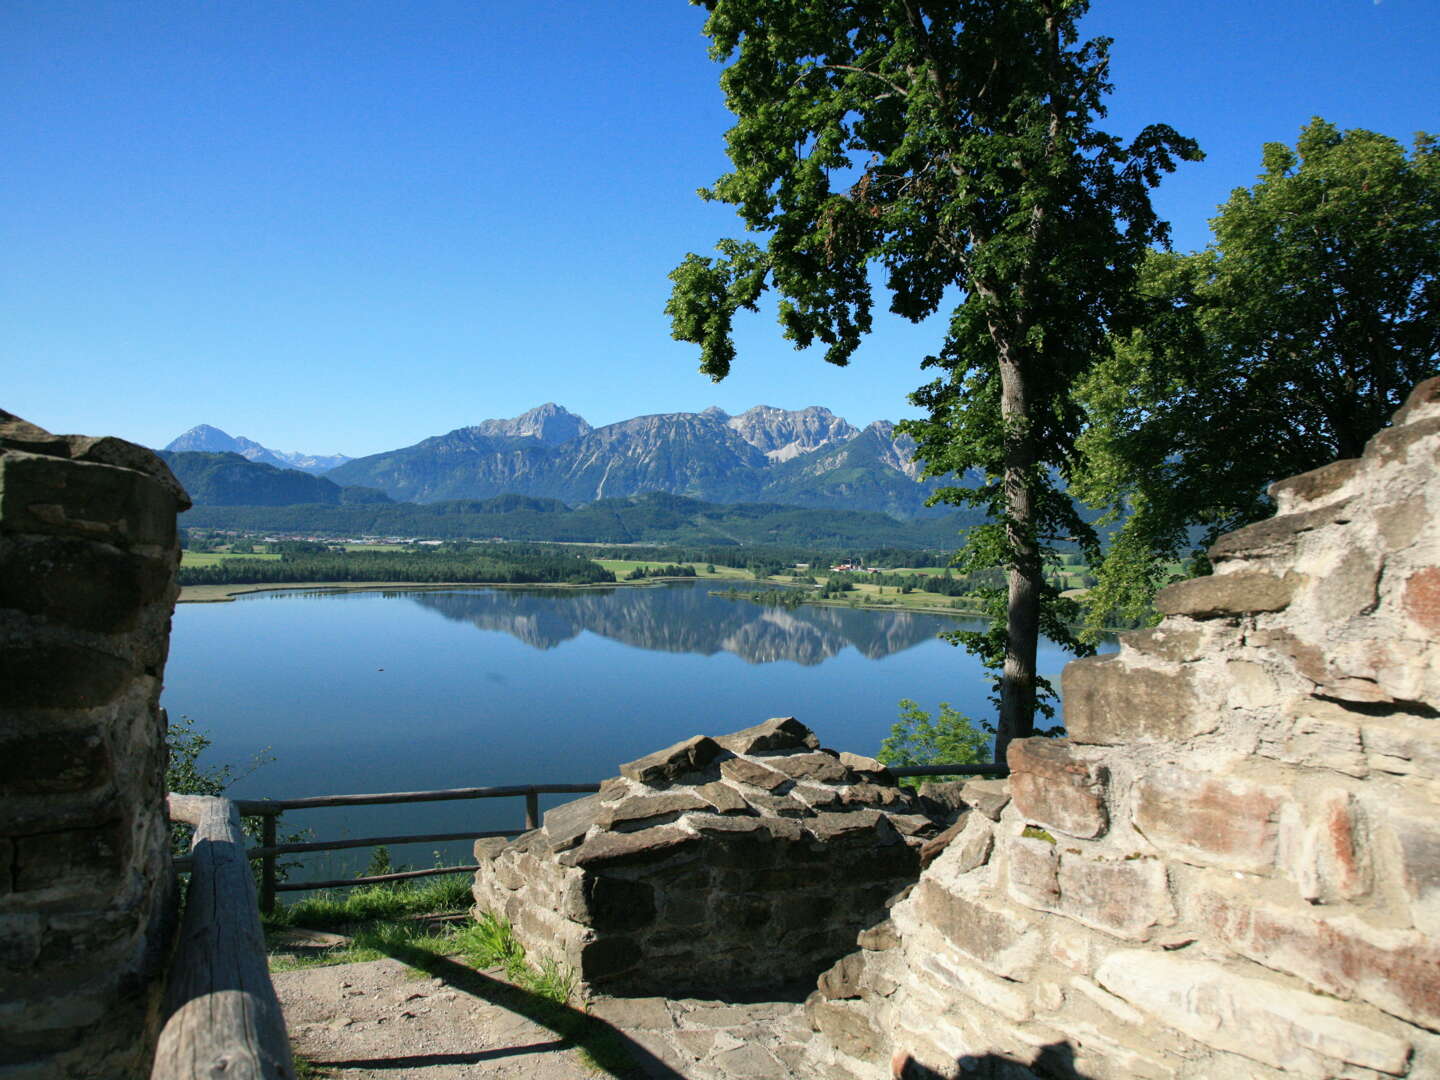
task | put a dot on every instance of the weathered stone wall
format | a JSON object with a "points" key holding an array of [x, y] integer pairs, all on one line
{"points": [[1231, 868], [87, 567], [716, 865]]}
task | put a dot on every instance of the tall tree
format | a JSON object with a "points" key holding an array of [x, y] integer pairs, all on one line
{"points": [[1284, 345], [953, 144]]}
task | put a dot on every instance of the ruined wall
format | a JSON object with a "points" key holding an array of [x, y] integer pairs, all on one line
{"points": [[716, 865], [87, 567], [1231, 868]]}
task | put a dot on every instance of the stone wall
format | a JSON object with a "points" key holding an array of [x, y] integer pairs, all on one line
{"points": [[717, 865], [1231, 868], [87, 567]]}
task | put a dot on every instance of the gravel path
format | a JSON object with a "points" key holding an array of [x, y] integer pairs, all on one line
{"points": [[387, 1021]]}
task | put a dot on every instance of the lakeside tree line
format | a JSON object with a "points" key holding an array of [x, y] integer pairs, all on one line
{"points": [[508, 564]]}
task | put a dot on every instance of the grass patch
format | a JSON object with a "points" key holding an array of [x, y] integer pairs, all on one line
{"points": [[213, 558], [365, 903]]}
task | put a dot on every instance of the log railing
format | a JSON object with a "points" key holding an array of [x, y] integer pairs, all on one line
{"points": [[269, 809], [221, 1013]]}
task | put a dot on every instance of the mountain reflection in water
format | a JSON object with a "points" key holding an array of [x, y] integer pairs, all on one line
{"points": [[685, 618]]}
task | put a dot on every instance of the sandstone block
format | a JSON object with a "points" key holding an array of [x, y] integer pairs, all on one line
{"points": [[640, 811], [628, 849], [1349, 587], [1281, 1027], [938, 843], [744, 771], [723, 798], [74, 857], [1124, 897], [86, 585], [879, 938], [867, 768], [1417, 835], [1422, 600], [997, 936], [842, 981], [53, 763], [989, 797], [1109, 704], [1165, 643], [817, 767], [607, 957], [1032, 866], [54, 496], [1003, 996], [1393, 444], [779, 733], [57, 676], [1276, 536], [572, 820], [665, 766], [1303, 492], [1398, 971], [616, 904], [847, 1027], [866, 794], [1209, 820], [1244, 592], [1055, 786]]}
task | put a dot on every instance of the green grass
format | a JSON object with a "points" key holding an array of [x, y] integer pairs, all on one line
{"points": [[421, 896], [212, 558]]}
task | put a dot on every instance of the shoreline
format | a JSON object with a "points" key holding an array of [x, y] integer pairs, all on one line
{"points": [[224, 594]]}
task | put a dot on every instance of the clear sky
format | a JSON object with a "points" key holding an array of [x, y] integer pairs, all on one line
{"points": [[348, 226]]}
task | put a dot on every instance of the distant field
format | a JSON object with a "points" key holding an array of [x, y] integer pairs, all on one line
{"points": [[211, 558], [621, 567]]}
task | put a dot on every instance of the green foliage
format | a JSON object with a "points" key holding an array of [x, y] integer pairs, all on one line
{"points": [[383, 900], [497, 563], [949, 739], [184, 775], [957, 149], [1285, 344]]}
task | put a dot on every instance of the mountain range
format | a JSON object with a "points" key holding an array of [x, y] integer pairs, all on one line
{"points": [[806, 457], [206, 439]]}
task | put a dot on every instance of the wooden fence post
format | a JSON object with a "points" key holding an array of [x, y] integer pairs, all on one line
{"points": [[532, 809], [267, 865]]}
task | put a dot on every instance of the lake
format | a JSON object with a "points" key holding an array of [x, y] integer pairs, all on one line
{"points": [[402, 690]]}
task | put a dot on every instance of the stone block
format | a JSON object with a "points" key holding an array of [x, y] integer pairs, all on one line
{"points": [[932, 848], [1244, 592], [1416, 834], [724, 798], [1032, 865], [1209, 820], [1421, 600], [666, 766], [1003, 996], [1123, 897], [617, 904], [1349, 588], [19, 942], [1276, 536], [50, 675], [867, 768], [989, 797], [1393, 444], [88, 858], [1165, 643], [608, 957], [1285, 1028], [1058, 788], [817, 767], [778, 733], [866, 794], [56, 497], [1109, 704], [642, 811], [847, 1027], [77, 583], [1303, 492], [630, 849], [570, 821], [881, 937], [842, 981], [1394, 970], [997, 936], [744, 771], [53, 763]]}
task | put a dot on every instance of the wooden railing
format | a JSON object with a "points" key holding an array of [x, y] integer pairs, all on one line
{"points": [[221, 1013], [269, 809]]}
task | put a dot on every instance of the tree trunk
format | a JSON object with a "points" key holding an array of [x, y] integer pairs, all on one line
{"points": [[1022, 622]]}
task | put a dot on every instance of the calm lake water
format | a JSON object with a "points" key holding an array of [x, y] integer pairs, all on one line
{"points": [[407, 690]]}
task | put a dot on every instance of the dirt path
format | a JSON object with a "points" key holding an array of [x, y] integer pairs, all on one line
{"points": [[384, 1020]]}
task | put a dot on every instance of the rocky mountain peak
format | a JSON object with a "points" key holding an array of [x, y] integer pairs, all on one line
{"points": [[782, 434], [550, 423]]}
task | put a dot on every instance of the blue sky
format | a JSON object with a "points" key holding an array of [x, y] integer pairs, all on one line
{"points": [[348, 226]]}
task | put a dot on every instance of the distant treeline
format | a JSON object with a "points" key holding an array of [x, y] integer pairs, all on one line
{"points": [[480, 564], [653, 518]]}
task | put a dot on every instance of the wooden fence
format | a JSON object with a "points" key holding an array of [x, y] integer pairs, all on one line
{"points": [[221, 1012], [269, 809]]}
